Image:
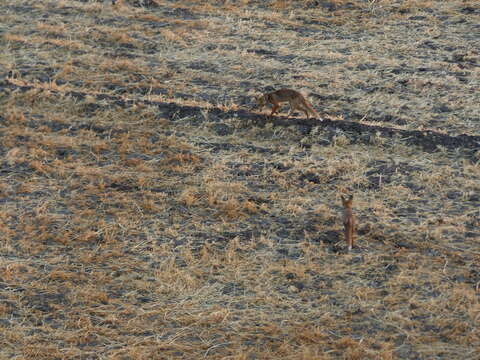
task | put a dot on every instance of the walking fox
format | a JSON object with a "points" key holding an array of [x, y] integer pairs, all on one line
{"points": [[348, 221], [294, 98]]}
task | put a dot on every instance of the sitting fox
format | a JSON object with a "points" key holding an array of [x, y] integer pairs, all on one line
{"points": [[294, 98], [348, 221]]}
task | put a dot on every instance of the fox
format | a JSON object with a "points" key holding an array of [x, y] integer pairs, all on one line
{"points": [[296, 100], [348, 221]]}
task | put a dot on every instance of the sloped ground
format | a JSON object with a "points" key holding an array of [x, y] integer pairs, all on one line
{"points": [[147, 212]]}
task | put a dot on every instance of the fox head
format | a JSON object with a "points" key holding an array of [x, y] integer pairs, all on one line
{"points": [[261, 101], [347, 202]]}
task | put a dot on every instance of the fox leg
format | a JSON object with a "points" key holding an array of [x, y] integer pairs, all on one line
{"points": [[274, 109], [350, 238], [311, 109], [305, 109], [306, 113], [352, 230], [292, 109], [347, 237]]}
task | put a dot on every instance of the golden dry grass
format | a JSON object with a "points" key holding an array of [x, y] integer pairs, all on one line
{"points": [[146, 213]]}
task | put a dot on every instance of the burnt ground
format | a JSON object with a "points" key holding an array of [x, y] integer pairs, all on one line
{"points": [[148, 210]]}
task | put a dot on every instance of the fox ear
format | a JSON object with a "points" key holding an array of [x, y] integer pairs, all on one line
{"points": [[350, 198], [343, 199]]}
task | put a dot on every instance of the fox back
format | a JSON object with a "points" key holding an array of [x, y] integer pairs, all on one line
{"points": [[286, 95], [280, 96]]}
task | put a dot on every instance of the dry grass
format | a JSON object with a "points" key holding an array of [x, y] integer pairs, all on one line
{"points": [[145, 214]]}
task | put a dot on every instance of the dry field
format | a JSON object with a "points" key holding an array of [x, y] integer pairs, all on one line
{"points": [[148, 212]]}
